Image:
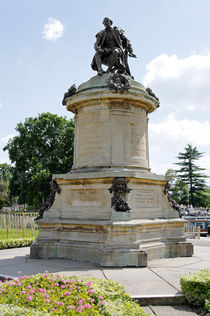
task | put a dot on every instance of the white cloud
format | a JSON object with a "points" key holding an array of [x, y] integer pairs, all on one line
{"points": [[180, 83], [53, 30], [182, 131], [169, 137]]}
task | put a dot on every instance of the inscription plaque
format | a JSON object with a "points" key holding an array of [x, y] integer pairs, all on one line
{"points": [[146, 198]]}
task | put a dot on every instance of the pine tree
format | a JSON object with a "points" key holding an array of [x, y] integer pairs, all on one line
{"points": [[191, 175]]}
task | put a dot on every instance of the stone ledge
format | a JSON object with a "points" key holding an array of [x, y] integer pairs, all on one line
{"points": [[164, 300]]}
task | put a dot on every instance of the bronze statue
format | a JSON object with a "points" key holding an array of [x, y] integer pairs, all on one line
{"points": [[112, 49], [46, 205], [119, 187]]}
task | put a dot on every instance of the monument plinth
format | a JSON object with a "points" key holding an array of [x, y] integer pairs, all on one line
{"points": [[112, 210]]}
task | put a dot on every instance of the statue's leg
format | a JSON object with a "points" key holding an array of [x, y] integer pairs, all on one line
{"points": [[99, 63], [112, 59]]}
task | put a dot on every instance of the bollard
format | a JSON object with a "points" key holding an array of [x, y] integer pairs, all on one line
{"points": [[199, 232]]}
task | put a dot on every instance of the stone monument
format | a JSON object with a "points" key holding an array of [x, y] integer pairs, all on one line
{"points": [[111, 210]]}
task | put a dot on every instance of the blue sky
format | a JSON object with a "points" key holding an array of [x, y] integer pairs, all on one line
{"points": [[46, 46]]}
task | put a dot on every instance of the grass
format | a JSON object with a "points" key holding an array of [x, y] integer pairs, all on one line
{"points": [[17, 233]]}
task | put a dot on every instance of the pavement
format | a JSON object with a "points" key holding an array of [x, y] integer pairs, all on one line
{"points": [[155, 287]]}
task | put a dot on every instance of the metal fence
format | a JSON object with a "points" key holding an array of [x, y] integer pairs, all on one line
{"points": [[15, 226]]}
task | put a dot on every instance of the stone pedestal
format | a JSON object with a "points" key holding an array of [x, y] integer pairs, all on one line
{"points": [[111, 141]]}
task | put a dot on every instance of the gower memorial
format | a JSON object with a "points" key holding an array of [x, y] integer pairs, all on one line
{"points": [[111, 209]]}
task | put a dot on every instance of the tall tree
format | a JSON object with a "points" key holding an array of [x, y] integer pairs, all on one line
{"points": [[178, 190], [191, 175], [5, 176], [43, 146]]}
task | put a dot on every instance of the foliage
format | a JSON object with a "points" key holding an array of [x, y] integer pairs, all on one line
{"points": [[59, 295], [178, 189], [5, 172], [43, 146], [191, 175], [5, 176], [207, 306], [12, 310], [16, 243], [196, 287]]}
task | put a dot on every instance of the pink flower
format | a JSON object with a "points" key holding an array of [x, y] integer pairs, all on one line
{"points": [[45, 275], [63, 281], [92, 300], [3, 290], [29, 286], [29, 298], [47, 300], [19, 284], [67, 293], [52, 291], [37, 283], [46, 271], [70, 281], [89, 283], [100, 297], [78, 288], [56, 284], [88, 306], [51, 280], [58, 276], [63, 287], [5, 277], [70, 307], [41, 290], [52, 310], [51, 274], [102, 302], [10, 284], [22, 292], [19, 272], [57, 303], [80, 308], [31, 292], [91, 291]]}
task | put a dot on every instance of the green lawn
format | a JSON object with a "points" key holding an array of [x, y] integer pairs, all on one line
{"points": [[17, 233]]}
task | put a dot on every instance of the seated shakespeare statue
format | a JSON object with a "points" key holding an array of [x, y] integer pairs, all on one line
{"points": [[112, 49]]}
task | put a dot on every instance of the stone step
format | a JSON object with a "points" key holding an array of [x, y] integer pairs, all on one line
{"points": [[167, 299]]}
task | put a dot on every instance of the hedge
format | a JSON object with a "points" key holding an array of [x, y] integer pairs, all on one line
{"points": [[15, 243], [196, 288]]}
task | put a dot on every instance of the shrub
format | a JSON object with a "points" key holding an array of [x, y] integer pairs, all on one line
{"points": [[15, 243], [207, 306], [11, 310], [196, 287], [60, 295]]}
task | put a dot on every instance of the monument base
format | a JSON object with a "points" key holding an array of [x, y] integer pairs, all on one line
{"points": [[81, 225]]}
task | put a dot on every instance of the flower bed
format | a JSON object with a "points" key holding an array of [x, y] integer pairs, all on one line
{"points": [[196, 288], [52, 294]]}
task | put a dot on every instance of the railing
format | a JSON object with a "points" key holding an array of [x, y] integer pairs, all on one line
{"points": [[190, 228], [15, 226]]}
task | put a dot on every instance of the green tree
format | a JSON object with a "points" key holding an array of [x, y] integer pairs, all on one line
{"points": [[192, 175], [5, 176], [43, 146], [178, 189]]}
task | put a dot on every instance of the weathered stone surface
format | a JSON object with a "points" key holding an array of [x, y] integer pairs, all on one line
{"points": [[111, 141]]}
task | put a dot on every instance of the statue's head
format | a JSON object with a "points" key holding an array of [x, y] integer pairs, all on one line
{"points": [[107, 22]]}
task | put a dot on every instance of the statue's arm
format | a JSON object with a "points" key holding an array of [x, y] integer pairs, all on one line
{"points": [[126, 43], [98, 41]]}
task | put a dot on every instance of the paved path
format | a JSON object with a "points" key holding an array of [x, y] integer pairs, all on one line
{"points": [[159, 279]]}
